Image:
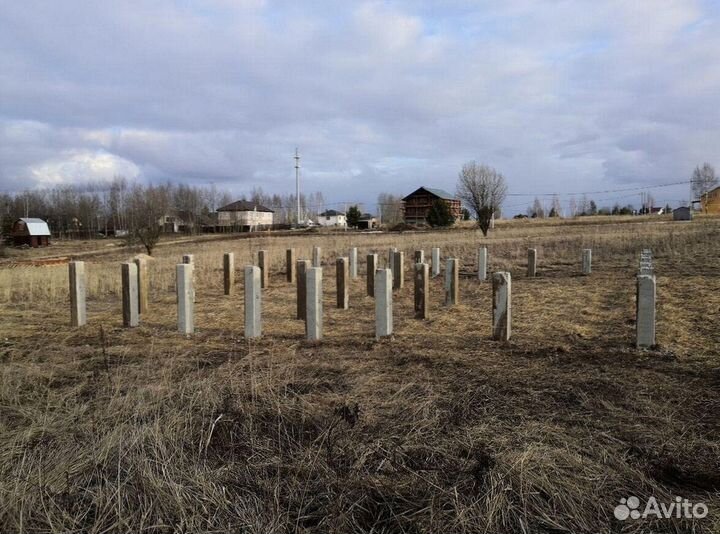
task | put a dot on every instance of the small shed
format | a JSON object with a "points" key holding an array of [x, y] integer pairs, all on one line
{"points": [[31, 232], [367, 222], [682, 213]]}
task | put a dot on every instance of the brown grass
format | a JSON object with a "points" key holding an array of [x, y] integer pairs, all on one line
{"points": [[439, 429]]}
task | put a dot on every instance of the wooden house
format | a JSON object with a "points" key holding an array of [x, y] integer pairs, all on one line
{"points": [[710, 201], [417, 204], [30, 232]]}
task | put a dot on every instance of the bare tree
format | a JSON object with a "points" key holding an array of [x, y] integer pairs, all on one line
{"points": [[555, 207], [483, 190], [584, 206], [5, 221], [537, 210], [120, 205], [703, 180], [148, 205], [573, 207], [647, 201], [390, 208]]}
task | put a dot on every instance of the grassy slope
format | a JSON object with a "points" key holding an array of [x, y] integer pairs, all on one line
{"points": [[438, 429]]}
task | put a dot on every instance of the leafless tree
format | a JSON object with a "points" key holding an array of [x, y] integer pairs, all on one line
{"points": [[390, 208], [584, 206], [647, 202], [703, 180], [573, 207], [536, 210], [556, 207], [148, 206], [86, 210], [483, 190], [189, 206]]}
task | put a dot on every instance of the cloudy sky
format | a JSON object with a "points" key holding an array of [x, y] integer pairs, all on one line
{"points": [[560, 96]]}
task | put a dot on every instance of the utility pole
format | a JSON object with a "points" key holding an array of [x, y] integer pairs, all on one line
{"points": [[297, 184]]}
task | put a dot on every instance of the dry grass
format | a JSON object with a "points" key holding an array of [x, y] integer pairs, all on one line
{"points": [[439, 429]]}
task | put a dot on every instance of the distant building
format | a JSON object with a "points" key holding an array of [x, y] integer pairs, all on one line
{"points": [[332, 218], [417, 204], [710, 201], [682, 213], [657, 211], [367, 222], [172, 224], [307, 223], [244, 215], [31, 232]]}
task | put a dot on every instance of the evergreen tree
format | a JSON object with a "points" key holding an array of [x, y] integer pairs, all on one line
{"points": [[440, 214], [353, 216]]}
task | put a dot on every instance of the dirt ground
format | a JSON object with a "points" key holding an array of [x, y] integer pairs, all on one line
{"points": [[437, 429]]}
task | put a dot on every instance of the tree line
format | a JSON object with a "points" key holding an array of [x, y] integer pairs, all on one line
{"points": [[106, 207], [121, 205]]}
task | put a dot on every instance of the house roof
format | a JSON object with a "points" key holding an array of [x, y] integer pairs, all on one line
{"points": [[366, 216], [331, 213], [440, 193], [244, 205], [711, 191], [35, 226]]}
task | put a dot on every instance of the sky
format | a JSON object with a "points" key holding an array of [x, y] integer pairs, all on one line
{"points": [[559, 96]]}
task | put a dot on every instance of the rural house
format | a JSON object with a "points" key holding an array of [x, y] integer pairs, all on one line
{"points": [[172, 224], [710, 201], [417, 204], [332, 218], [30, 232], [244, 215]]}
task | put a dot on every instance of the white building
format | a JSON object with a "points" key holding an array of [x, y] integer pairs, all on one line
{"points": [[332, 218], [172, 224], [245, 215]]}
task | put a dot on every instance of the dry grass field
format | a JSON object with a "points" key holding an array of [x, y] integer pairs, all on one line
{"points": [[439, 429]]}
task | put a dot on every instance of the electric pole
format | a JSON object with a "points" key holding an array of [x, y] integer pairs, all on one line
{"points": [[297, 185]]}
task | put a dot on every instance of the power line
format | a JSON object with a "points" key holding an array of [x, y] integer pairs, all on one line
{"points": [[598, 192]]}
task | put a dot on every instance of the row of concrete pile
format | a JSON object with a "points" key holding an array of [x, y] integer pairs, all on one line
{"points": [[307, 275]]}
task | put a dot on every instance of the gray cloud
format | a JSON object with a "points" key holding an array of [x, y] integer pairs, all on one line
{"points": [[379, 96]]}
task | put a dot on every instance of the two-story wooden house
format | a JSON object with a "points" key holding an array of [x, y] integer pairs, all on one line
{"points": [[417, 204]]}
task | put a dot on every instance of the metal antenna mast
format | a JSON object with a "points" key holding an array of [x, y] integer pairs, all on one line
{"points": [[297, 184]]}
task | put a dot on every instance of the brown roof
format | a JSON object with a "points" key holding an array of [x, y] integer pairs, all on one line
{"points": [[244, 205], [439, 193]]}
